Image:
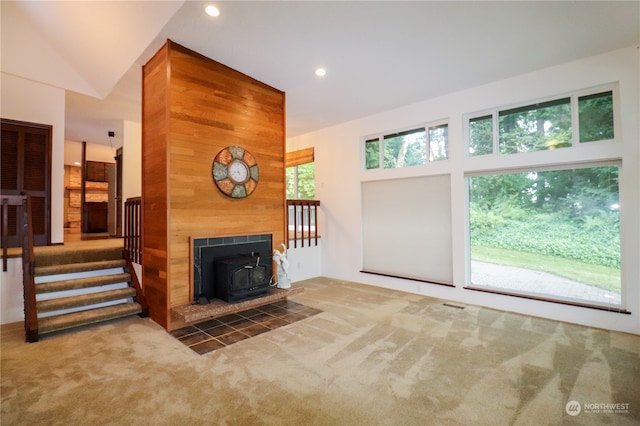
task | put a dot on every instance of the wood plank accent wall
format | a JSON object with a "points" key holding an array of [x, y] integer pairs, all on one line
{"points": [[192, 108]]}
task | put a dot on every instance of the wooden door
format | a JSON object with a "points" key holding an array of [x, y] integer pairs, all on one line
{"points": [[26, 169]]}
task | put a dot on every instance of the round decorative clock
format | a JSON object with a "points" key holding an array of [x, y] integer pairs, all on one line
{"points": [[235, 172]]}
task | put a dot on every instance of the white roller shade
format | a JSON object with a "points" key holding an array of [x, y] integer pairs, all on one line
{"points": [[406, 228]]}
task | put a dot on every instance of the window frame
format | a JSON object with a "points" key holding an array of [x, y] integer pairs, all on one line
{"points": [[296, 159], [574, 97], [382, 136], [468, 285], [578, 155]]}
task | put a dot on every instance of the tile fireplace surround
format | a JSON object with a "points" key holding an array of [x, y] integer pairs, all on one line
{"points": [[206, 250]]}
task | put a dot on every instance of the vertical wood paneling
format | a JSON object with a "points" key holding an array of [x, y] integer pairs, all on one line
{"points": [[155, 185], [207, 107]]}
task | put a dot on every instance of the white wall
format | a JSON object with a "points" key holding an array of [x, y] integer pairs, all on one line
{"points": [[33, 102], [95, 152], [131, 160], [25, 100], [304, 262], [132, 166], [339, 174], [11, 294], [18, 97]]}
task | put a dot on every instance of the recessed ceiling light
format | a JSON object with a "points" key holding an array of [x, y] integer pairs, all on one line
{"points": [[212, 10], [321, 72]]}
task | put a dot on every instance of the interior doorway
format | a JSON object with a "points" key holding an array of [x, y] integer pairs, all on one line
{"points": [[90, 191], [26, 170]]}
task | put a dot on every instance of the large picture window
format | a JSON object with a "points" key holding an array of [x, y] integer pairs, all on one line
{"points": [[550, 234]]}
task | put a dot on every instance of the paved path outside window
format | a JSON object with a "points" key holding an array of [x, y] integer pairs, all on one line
{"points": [[540, 283]]}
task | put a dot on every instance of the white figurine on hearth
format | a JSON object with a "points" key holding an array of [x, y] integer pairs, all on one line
{"points": [[280, 257]]}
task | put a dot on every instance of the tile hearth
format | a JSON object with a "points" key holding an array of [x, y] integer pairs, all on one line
{"points": [[216, 308], [216, 333]]}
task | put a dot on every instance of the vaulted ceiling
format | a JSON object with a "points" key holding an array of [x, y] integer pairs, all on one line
{"points": [[378, 55]]}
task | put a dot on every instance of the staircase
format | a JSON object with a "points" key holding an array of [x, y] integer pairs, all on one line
{"points": [[77, 286]]}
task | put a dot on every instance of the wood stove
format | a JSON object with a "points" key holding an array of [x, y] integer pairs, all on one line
{"points": [[241, 278], [216, 260]]}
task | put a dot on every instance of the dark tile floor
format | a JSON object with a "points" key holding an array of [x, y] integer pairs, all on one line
{"points": [[209, 335]]}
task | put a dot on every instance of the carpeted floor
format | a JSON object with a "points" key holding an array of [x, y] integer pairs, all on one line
{"points": [[371, 357]]}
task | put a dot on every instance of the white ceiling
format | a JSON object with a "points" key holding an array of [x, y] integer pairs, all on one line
{"points": [[378, 55]]}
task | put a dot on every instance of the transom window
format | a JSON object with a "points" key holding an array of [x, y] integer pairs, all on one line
{"points": [[408, 148], [548, 125]]}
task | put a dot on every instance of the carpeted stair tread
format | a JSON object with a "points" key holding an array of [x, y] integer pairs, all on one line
{"points": [[79, 283], [84, 299], [60, 255], [75, 319], [69, 268]]}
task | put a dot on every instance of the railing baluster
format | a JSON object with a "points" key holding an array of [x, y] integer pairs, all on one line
{"points": [[5, 232], [295, 225], [304, 230], [132, 227], [309, 224]]}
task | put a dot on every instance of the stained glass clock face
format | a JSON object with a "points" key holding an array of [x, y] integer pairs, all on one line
{"points": [[235, 172]]}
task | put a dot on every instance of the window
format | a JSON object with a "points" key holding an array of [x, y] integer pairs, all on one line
{"points": [[543, 126], [300, 182], [438, 142], [481, 135], [407, 148], [372, 153], [595, 115], [552, 234], [535, 127], [300, 174]]}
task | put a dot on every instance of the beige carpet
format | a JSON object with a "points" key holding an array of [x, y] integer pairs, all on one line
{"points": [[372, 357]]}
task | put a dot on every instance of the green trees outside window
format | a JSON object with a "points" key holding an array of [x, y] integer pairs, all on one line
{"points": [[595, 115], [408, 148], [372, 154], [564, 222], [301, 182], [481, 135], [544, 126], [439, 142], [405, 149], [535, 127]]}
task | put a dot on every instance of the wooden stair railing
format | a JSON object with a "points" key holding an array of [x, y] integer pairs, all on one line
{"points": [[9, 200], [28, 277], [135, 283], [302, 221], [132, 229], [28, 259], [132, 252], [35, 326]]}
